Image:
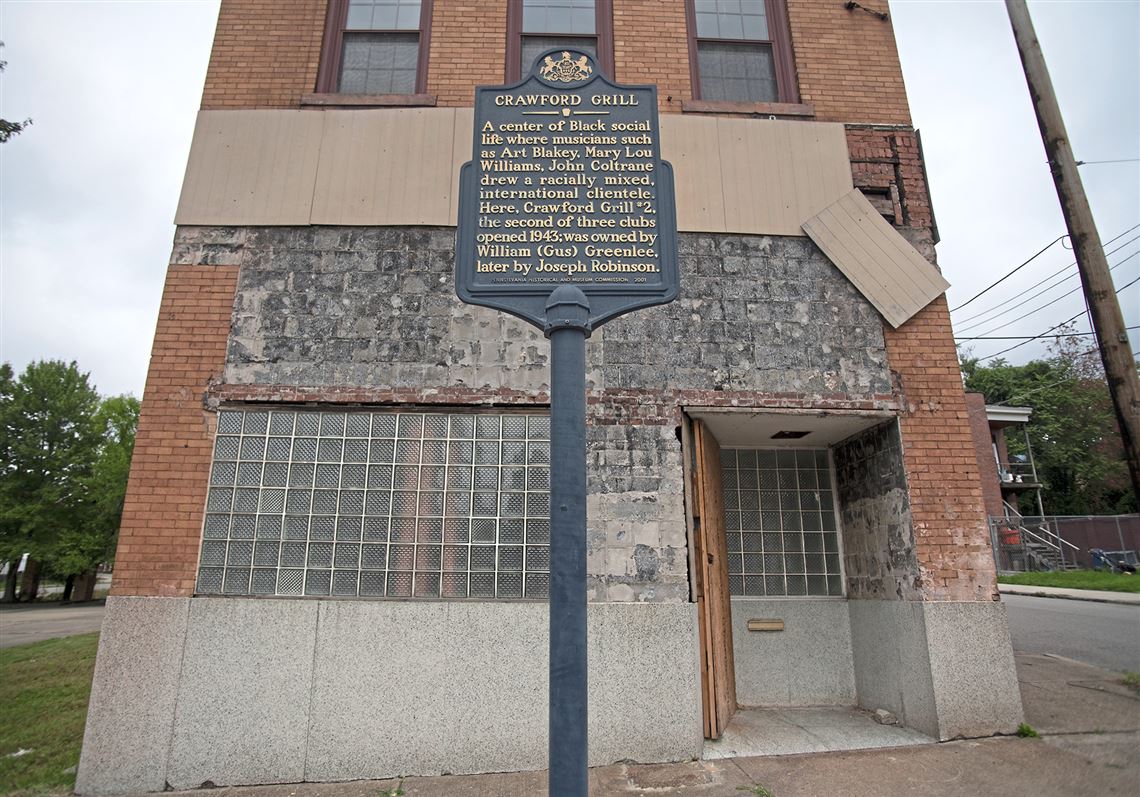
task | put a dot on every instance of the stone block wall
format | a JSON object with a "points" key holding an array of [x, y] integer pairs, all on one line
{"points": [[368, 315], [878, 536]]}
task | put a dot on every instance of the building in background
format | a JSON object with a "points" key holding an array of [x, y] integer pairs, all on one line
{"points": [[333, 560]]}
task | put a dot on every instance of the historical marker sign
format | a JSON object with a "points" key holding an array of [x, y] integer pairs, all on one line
{"points": [[566, 219], [566, 186]]}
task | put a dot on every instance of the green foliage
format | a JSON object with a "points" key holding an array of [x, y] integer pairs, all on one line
{"points": [[1073, 431], [1131, 680], [84, 546], [48, 446], [1076, 579], [64, 459], [1026, 731], [9, 129], [758, 790], [43, 706]]}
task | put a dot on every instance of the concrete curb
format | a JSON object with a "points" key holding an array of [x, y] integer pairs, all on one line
{"points": [[1097, 596]]}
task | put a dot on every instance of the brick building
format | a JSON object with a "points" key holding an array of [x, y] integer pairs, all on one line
{"points": [[332, 563]]}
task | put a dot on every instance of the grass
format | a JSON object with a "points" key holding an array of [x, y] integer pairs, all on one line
{"points": [[1131, 680], [1026, 731], [44, 689], [1077, 579]]}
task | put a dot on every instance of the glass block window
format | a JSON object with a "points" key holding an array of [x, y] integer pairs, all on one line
{"points": [[740, 51], [384, 504], [780, 523]]}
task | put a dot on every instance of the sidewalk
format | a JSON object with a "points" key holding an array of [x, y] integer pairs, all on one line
{"points": [[1101, 596], [1089, 724]]}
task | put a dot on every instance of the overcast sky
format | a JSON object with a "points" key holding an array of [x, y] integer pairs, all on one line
{"points": [[87, 194]]}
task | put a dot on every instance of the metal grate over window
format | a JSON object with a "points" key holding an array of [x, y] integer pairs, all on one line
{"points": [[780, 523], [376, 504]]}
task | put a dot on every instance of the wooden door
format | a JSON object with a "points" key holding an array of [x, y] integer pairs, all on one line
{"points": [[718, 673]]}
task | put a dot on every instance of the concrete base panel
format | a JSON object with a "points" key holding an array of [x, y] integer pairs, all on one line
{"points": [[244, 699], [807, 664], [945, 668], [972, 667], [276, 691], [131, 714]]}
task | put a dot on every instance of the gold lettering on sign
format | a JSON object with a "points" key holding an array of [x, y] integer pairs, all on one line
{"points": [[571, 197]]}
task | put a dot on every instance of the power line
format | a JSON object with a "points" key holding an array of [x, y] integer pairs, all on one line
{"points": [[1035, 337], [1010, 274], [1039, 388], [1050, 329], [1054, 274], [1123, 160], [1042, 307]]}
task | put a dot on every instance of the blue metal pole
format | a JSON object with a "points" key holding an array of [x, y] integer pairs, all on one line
{"points": [[567, 326]]}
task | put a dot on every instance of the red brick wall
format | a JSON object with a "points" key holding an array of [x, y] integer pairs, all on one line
{"points": [[166, 493], [951, 532], [886, 165], [984, 451], [266, 53], [468, 48], [651, 45], [846, 62]]}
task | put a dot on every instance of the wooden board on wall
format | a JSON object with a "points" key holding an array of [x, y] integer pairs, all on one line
{"points": [[400, 166], [718, 672]]}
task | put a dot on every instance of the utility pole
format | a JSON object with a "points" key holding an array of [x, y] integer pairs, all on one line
{"points": [[1107, 321]]}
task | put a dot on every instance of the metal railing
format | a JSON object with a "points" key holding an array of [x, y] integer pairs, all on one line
{"points": [[1058, 542]]}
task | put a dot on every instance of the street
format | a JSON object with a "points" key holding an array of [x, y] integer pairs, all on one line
{"points": [[22, 624], [1104, 634]]}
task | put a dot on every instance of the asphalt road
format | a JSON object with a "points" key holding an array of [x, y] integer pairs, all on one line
{"points": [[22, 624], [1104, 634]]}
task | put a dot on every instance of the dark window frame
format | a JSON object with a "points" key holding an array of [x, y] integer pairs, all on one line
{"points": [[332, 46], [780, 41], [603, 34]]}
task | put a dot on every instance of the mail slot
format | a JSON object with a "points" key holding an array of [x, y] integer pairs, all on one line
{"points": [[765, 624]]}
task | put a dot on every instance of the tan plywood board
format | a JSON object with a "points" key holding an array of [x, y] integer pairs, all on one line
{"points": [[460, 154], [400, 166], [690, 144], [386, 167], [251, 167], [775, 174], [886, 269]]}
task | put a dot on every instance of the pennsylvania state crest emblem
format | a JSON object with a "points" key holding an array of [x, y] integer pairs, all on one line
{"points": [[565, 69]]}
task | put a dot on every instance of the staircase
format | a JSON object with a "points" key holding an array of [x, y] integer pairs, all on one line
{"points": [[1022, 543]]}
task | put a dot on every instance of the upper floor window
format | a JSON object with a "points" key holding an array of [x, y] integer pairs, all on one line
{"points": [[739, 51], [534, 26], [375, 47]]}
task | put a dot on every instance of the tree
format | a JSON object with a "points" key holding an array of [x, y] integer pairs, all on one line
{"points": [[9, 129], [1076, 444], [81, 548], [49, 442]]}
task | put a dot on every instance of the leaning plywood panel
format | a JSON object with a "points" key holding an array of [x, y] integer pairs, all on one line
{"points": [[251, 167], [386, 167], [886, 269]]}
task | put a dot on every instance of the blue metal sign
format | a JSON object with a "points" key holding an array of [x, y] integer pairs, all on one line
{"points": [[566, 186]]}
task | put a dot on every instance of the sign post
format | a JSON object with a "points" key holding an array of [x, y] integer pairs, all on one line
{"points": [[566, 220]]}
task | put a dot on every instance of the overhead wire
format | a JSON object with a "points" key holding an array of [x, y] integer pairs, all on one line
{"points": [[1042, 307], [1054, 274], [1050, 329], [1007, 276], [1035, 337]]}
